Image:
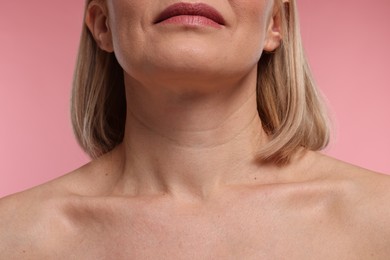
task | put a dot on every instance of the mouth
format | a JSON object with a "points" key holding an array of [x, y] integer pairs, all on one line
{"points": [[199, 10]]}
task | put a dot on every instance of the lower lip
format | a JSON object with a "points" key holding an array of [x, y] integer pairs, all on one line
{"points": [[191, 20]]}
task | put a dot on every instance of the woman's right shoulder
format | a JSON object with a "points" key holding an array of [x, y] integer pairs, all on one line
{"points": [[32, 221], [36, 219]]}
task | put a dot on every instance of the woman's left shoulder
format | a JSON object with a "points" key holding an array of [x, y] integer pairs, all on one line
{"points": [[370, 191], [366, 195], [368, 188], [363, 204], [369, 184]]}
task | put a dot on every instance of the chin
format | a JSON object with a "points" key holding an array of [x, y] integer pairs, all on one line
{"points": [[187, 63], [196, 67], [194, 81], [192, 74]]}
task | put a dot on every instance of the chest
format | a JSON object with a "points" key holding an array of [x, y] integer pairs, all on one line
{"points": [[237, 233]]}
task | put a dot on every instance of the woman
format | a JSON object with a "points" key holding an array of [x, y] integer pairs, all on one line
{"points": [[203, 123]]}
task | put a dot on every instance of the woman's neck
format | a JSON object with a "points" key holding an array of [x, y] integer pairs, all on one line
{"points": [[190, 145]]}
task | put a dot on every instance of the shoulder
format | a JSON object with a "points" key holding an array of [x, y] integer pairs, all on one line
{"points": [[367, 189], [365, 204], [364, 184], [28, 223], [35, 222], [32, 222]]}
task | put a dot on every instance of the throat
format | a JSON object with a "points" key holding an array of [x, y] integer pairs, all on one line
{"points": [[156, 164], [190, 147]]}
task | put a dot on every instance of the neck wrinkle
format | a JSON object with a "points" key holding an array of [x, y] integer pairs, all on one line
{"points": [[193, 151]]}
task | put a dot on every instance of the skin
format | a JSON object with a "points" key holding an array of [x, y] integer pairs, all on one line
{"points": [[184, 183]]}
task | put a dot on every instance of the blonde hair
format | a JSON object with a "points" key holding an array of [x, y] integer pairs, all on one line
{"points": [[289, 105]]}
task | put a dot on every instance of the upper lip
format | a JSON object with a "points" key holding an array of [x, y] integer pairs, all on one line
{"points": [[198, 9]]}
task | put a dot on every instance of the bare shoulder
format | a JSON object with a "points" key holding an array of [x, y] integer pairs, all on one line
{"points": [[25, 223], [29, 222], [34, 222], [366, 204], [368, 189], [368, 185]]}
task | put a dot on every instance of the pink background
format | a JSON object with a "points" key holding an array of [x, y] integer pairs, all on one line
{"points": [[347, 43]]}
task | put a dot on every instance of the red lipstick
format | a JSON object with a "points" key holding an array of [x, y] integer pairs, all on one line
{"points": [[190, 14]]}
